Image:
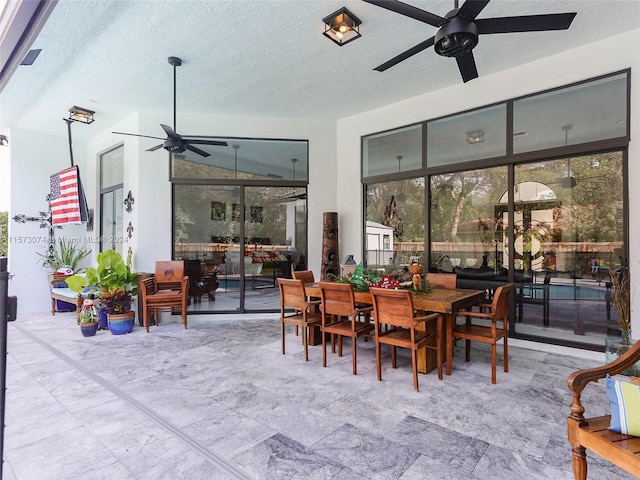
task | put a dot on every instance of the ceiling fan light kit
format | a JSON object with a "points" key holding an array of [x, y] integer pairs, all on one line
{"points": [[341, 27], [459, 30]]}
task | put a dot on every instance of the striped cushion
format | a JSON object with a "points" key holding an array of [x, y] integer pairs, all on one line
{"points": [[624, 398]]}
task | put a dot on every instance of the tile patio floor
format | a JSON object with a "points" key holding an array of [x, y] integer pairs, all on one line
{"points": [[219, 401]]}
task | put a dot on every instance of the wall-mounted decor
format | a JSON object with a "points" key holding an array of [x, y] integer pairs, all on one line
{"points": [[235, 212], [257, 214], [129, 201], [130, 230], [218, 211]]}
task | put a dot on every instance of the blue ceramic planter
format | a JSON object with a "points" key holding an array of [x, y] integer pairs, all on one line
{"points": [[89, 329], [103, 323], [121, 324]]}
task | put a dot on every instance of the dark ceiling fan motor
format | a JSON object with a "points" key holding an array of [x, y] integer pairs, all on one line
{"points": [[173, 146], [456, 38]]}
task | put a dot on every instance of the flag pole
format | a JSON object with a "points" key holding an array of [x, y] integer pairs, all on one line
{"points": [[69, 122]]}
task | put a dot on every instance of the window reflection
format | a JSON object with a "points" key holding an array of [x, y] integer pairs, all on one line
{"points": [[395, 223]]}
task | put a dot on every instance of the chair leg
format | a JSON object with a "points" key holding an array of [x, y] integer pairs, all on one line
{"points": [[296, 330], [304, 343], [339, 345], [184, 315], [354, 355], [467, 350], [378, 361], [324, 349], [579, 463], [506, 354], [414, 367], [145, 319], [393, 357], [439, 346], [282, 331], [493, 362]]}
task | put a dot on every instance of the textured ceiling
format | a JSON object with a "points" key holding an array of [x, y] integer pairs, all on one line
{"points": [[263, 58]]}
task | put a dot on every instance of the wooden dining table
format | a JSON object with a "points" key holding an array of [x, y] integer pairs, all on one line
{"points": [[440, 300]]}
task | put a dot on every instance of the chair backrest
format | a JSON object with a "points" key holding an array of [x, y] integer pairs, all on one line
{"points": [[147, 287], [442, 280], [500, 304], [169, 271], [305, 275], [291, 294], [392, 307], [337, 298]]}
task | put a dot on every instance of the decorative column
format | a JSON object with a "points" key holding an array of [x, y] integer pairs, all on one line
{"points": [[330, 254]]}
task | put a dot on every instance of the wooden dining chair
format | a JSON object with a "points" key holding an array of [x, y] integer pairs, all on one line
{"points": [[394, 309], [488, 324], [307, 277], [442, 280], [167, 290], [340, 317], [305, 315]]}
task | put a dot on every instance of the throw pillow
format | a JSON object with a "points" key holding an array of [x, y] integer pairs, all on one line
{"points": [[624, 398]]}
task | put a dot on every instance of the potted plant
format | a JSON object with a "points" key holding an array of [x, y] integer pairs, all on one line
{"points": [[88, 317], [63, 260], [621, 298], [117, 285], [64, 256]]}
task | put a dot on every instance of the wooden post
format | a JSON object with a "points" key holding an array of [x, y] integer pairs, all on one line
{"points": [[330, 252]]}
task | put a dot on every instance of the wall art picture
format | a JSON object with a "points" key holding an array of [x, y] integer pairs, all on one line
{"points": [[235, 212], [218, 211], [257, 214]]}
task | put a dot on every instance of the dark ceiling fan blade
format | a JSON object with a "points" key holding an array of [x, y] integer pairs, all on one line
{"points": [[525, 23], [409, 11], [136, 135], [196, 150], [406, 54], [472, 8], [467, 66], [205, 142], [170, 133], [153, 149]]}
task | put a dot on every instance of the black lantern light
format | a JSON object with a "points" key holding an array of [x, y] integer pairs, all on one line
{"points": [[341, 27]]}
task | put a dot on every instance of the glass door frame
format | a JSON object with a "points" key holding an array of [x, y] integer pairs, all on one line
{"points": [[242, 184]]}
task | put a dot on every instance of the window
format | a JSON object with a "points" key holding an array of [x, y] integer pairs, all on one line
{"points": [[526, 209], [392, 152], [587, 112], [240, 221], [468, 136], [111, 199]]}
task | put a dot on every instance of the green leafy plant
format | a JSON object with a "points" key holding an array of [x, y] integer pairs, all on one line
{"points": [[65, 253], [88, 314], [114, 279]]}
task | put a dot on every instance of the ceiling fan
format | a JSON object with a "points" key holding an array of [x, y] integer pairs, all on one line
{"points": [[174, 142], [459, 30]]}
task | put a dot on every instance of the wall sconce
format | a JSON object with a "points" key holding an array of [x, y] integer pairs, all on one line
{"points": [[476, 136], [341, 27], [79, 114]]}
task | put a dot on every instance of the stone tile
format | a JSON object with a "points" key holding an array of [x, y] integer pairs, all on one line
{"points": [[220, 401], [373, 456], [281, 458]]}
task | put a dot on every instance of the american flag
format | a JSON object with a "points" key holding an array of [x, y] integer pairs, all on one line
{"points": [[65, 199]]}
